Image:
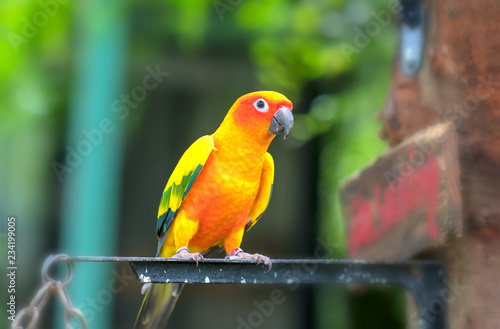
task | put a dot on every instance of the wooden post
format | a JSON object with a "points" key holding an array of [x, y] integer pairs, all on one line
{"points": [[459, 82]]}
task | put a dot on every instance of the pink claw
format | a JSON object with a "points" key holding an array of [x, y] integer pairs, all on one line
{"points": [[240, 254], [185, 254]]}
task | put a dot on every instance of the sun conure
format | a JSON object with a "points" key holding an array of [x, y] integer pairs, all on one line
{"points": [[218, 191]]}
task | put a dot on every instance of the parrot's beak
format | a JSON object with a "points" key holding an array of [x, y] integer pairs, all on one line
{"points": [[282, 122]]}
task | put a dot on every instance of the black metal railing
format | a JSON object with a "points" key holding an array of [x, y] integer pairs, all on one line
{"points": [[424, 279]]}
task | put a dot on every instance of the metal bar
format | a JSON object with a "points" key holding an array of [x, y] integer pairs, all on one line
{"points": [[425, 280], [412, 16]]}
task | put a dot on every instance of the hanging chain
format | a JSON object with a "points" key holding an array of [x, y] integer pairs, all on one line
{"points": [[50, 286]]}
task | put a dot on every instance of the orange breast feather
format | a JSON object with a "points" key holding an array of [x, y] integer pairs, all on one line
{"points": [[220, 199]]}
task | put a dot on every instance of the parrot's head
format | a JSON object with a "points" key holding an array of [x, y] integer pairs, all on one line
{"points": [[262, 115]]}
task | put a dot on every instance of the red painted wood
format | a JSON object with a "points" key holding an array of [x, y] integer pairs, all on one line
{"points": [[392, 206], [407, 200]]}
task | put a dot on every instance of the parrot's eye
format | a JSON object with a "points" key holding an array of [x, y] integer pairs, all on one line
{"points": [[261, 105]]}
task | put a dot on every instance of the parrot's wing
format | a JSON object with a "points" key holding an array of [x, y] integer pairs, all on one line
{"points": [[181, 181], [160, 299], [265, 191]]}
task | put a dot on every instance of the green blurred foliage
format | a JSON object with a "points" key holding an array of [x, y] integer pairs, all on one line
{"points": [[35, 52], [295, 47]]}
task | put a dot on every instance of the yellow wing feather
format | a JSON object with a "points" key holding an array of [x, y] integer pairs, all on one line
{"points": [[265, 192], [181, 180]]}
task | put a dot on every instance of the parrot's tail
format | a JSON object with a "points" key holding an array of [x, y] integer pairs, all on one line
{"points": [[157, 305]]}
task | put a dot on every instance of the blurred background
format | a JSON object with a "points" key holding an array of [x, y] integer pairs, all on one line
{"points": [[99, 99]]}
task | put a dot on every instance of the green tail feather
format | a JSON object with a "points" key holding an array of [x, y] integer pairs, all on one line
{"points": [[160, 299], [157, 306]]}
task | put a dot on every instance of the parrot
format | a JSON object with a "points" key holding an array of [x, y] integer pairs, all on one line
{"points": [[218, 190]]}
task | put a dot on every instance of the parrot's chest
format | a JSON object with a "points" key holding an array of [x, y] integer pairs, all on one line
{"points": [[231, 189], [224, 195]]}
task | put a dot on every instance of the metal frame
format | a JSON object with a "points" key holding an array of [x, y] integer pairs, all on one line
{"points": [[424, 279]]}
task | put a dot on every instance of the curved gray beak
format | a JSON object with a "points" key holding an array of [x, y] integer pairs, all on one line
{"points": [[282, 122]]}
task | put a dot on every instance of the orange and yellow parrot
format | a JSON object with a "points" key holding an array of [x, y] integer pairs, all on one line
{"points": [[218, 191]]}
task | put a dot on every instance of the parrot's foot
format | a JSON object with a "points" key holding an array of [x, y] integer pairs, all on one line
{"points": [[240, 254], [184, 253]]}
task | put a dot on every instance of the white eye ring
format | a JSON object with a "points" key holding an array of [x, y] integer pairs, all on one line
{"points": [[261, 105]]}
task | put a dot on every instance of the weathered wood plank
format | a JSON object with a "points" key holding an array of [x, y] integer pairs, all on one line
{"points": [[408, 200]]}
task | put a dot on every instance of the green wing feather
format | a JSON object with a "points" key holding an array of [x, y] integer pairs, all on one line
{"points": [[265, 192], [181, 181], [161, 299]]}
